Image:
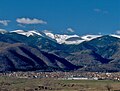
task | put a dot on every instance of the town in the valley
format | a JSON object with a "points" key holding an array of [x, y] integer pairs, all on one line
{"points": [[65, 75]]}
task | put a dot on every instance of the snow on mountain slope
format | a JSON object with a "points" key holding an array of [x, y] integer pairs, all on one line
{"points": [[75, 38], [74, 42], [26, 33], [62, 38], [114, 35], [3, 31], [59, 38], [90, 37]]}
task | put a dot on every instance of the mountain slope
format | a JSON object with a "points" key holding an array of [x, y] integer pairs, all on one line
{"points": [[87, 57], [105, 46], [97, 53], [19, 57], [35, 41]]}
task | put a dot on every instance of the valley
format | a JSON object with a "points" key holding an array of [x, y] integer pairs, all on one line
{"points": [[52, 84]]}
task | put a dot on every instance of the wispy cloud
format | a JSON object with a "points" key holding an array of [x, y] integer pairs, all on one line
{"points": [[98, 10], [30, 21], [118, 32], [21, 25], [70, 30], [4, 22]]}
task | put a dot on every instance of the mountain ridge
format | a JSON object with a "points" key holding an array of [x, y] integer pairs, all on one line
{"points": [[97, 54], [60, 38]]}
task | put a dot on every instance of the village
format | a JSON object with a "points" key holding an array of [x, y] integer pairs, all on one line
{"points": [[65, 75]]}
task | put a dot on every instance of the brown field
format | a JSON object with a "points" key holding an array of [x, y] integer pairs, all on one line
{"points": [[24, 84]]}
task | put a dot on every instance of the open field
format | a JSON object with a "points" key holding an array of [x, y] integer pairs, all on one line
{"points": [[22, 84]]}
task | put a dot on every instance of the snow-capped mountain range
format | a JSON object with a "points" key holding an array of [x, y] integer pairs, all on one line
{"points": [[98, 53], [59, 38]]}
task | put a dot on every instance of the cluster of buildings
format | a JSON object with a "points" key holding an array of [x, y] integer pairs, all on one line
{"points": [[66, 75]]}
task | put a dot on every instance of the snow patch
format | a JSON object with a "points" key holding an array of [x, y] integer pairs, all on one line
{"points": [[90, 37], [62, 38], [113, 35], [3, 31], [26, 33]]}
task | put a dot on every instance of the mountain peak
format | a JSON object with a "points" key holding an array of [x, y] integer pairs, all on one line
{"points": [[26, 33]]}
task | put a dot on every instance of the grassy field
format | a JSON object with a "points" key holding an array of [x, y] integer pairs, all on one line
{"points": [[22, 84]]}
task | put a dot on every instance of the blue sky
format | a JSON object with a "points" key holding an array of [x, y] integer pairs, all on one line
{"points": [[61, 16]]}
